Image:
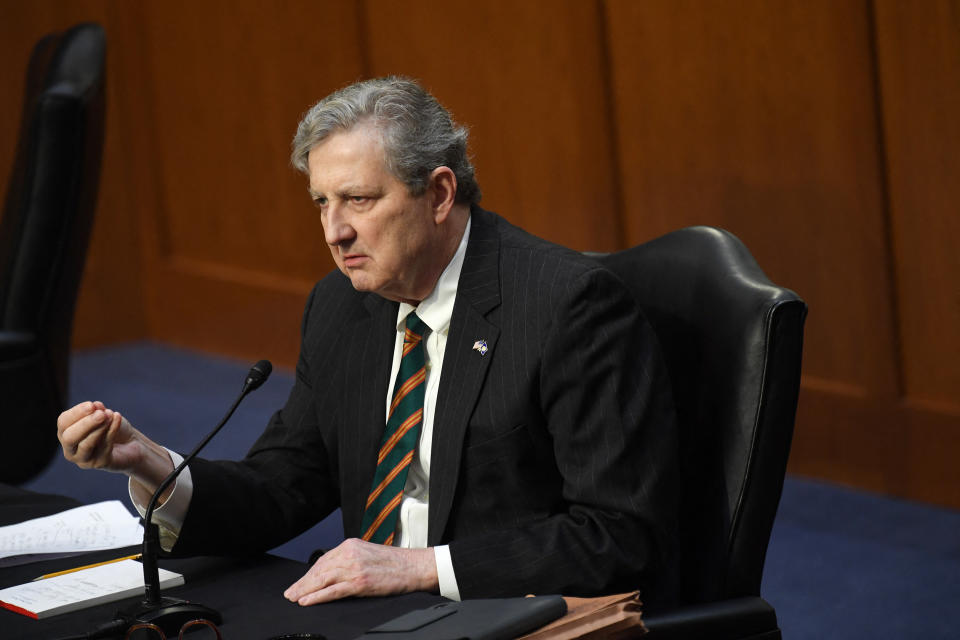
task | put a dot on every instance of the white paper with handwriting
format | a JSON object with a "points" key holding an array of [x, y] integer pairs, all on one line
{"points": [[105, 525]]}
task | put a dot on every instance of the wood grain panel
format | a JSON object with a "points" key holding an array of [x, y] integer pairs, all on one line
{"points": [[918, 48], [529, 80], [893, 448], [226, 96], [760, 117], [110, 306], [229, 311]]}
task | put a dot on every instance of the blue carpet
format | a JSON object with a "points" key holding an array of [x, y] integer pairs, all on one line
{"points": [[850, 564], [841, 563]]}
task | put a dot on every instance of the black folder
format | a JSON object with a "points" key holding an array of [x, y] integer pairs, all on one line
{"points": [[489, 619]]}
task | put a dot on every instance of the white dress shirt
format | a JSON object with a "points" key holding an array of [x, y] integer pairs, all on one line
{"points": [[435, 310]]}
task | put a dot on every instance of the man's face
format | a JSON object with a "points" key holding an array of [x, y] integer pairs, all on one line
{"points": [[381, 237]]}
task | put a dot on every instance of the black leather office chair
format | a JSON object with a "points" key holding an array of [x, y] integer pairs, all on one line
{"points": [[44, 234], [732, 341]]}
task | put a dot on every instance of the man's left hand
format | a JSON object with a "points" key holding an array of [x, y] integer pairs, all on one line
{"points": [[358, 568]]}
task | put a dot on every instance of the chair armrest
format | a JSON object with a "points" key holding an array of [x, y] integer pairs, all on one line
{"points": [[17, 344], [737, 618]]}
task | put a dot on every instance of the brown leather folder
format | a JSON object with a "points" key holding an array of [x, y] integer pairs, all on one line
{"points": [[616, 616]]}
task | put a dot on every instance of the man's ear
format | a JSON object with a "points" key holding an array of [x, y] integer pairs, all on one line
{"points": [[442, 191]]}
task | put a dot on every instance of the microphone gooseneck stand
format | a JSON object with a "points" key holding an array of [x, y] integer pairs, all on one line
{"points": [[171, 613]]}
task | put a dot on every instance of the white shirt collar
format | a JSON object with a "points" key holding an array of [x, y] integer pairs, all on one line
{"points": [[437, 308]]}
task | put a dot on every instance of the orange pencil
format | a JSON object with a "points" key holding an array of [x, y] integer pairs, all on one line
{"points": [[89, 566]]}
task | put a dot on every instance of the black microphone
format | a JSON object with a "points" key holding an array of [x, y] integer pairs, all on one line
{"points": [[257, 376], [171, 613]]}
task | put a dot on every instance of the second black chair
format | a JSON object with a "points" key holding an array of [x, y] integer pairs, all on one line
{"points": [[44, 235], [732, 341]]}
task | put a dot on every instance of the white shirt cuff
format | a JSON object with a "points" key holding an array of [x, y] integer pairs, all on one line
{"points": [[170, 515], [445, 575]]}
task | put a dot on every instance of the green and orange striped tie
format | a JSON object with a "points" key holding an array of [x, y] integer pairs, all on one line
{"points": [[399, 438]]}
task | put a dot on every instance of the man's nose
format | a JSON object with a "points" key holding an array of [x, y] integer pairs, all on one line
{"points": [[336, 227]]}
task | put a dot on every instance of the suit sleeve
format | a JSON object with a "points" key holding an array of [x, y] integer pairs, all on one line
{"points": [[606, 401], [283, 486]]}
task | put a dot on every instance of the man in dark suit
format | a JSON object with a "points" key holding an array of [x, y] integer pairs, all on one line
{"points": [[529, 443]]}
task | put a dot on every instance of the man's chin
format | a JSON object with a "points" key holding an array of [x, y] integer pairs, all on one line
{"points": [[363, 283], [359, 281], [359, 286]]}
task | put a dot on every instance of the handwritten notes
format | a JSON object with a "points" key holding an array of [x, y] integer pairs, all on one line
{"points": [[105, 525]]}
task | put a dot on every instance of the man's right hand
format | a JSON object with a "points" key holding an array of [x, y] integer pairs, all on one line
{"points": [[95, 437]]}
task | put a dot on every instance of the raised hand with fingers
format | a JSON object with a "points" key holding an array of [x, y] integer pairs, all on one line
{"points": [[95, 437]]}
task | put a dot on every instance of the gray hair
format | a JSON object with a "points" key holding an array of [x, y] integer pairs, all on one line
{"points": [[417, 133]]}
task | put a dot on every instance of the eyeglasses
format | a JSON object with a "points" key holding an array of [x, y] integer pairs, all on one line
{"points": [[198, 630]]}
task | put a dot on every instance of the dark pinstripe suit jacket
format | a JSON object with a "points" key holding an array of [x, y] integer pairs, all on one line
{"points": [[553, 455]]}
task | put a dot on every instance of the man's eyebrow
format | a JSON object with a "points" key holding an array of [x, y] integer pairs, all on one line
{"points": [[355, 188], [348, 190]]}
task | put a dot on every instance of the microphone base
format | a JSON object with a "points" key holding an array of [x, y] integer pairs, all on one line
{"points": [[171, 614]]}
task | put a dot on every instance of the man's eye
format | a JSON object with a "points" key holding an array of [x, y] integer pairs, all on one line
{"points": [[320, 202], [358, 199]]}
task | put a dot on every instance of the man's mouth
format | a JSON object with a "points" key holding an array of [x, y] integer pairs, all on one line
{"points": [[353, 259]]}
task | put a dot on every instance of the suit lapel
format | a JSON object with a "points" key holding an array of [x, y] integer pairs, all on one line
{"points": [[464, 368]]}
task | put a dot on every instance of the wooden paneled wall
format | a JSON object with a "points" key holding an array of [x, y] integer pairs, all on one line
{"points": [[823, 133]]}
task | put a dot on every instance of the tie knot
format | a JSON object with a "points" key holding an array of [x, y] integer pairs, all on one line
{"points": [[416, 326]]}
